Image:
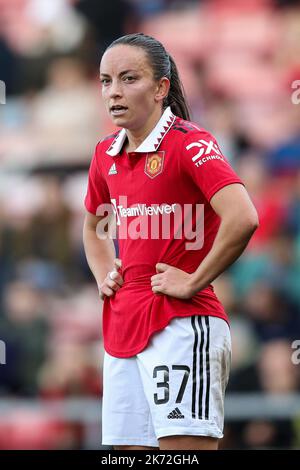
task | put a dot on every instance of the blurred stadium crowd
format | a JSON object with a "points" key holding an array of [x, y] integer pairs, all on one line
{"points": [[238, 60]]}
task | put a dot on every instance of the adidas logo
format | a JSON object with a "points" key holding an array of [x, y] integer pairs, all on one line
{"points": [[175, 414], [113, 170]]}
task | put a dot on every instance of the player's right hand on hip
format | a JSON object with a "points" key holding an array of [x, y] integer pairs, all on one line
{"points": [[113, 281]]}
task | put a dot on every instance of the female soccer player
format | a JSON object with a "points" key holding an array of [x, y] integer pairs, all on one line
{"points": [[183, 216]]}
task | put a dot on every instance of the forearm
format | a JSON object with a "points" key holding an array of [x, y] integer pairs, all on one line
{"points": [[100, 254], [231, 240]]}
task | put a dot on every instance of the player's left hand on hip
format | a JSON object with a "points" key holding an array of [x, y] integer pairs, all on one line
{"points": [[172, 281]]}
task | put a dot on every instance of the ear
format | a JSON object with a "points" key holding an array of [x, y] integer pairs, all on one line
{"points": [[162, 89]]}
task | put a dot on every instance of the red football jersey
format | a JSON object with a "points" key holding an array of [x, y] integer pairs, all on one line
{"points": [[160, 195]]}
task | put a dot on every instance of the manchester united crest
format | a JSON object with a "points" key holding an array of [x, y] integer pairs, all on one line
{"points": [[154, 163]]}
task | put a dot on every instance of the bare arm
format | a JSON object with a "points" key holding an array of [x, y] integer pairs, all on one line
{"points": [[101, 257], [239, 221]]}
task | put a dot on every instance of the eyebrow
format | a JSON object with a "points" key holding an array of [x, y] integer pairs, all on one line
{"points": [[120, 74]]}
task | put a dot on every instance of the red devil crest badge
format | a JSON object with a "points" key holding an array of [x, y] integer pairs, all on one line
{"points": [[154, 163]]}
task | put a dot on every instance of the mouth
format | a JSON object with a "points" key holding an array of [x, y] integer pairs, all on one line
{"points": [[118, 110]]}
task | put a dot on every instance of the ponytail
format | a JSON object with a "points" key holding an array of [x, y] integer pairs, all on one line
{"points": [[176, 98]]}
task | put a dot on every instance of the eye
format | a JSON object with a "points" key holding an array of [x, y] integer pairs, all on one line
{"points": [[129, 78], [104, 81]]}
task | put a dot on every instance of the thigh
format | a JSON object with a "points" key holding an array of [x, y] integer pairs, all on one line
{"points": [[188, 443], [124, 448], [126, 418], [185, 370]]}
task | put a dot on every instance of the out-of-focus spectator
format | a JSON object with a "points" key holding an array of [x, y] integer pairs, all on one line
{"points": [[273, 373], [110, 20], [278, 266], [38, 430], [24, 328], [71, 370], [271, 313], [41, 232], [66, 115]]}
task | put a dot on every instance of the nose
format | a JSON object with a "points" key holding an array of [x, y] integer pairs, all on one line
{"points": [[115, 89]]}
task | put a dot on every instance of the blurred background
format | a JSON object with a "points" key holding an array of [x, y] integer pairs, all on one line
{"points": [[238, 60]]}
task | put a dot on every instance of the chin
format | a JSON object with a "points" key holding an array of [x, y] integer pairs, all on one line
{"points": [[119, 121]]}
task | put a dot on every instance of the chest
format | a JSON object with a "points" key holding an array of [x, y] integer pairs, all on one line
{"points": [[151, 178]]}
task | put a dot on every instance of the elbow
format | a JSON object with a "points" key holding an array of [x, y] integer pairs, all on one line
{"points": [[254, 220], [250, 223]]}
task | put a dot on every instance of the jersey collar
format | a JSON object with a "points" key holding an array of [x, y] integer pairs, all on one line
{"points": [[152, 141]]}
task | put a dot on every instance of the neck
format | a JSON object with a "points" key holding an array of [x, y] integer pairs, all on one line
{"points": [[137, 136]]}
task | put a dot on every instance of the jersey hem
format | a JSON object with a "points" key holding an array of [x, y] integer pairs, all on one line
{"points": [[160, 327]]}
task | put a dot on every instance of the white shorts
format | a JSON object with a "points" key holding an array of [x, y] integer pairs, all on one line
{"points": [[175, 386]]}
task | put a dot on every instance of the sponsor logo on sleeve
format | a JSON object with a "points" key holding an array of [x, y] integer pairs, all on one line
{"points": [[206, 151]]}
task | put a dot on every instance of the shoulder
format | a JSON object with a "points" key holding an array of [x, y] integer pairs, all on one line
{"points": [[104, 144], [198, 145], [100, 156], [189, 131]]}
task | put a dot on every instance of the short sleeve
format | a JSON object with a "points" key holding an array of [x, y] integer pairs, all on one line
{"points": [[97, 189], [203, 160]]}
